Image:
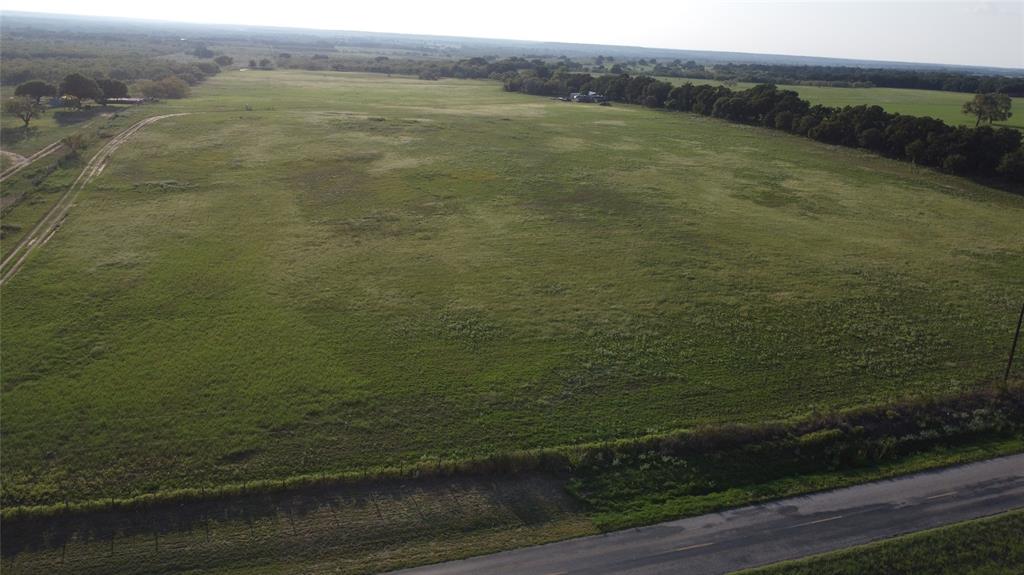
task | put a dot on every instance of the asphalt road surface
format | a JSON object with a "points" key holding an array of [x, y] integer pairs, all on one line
{"points": [[762, 534]]}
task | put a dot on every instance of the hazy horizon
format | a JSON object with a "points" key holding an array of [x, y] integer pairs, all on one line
{"points": [[989, 34]]}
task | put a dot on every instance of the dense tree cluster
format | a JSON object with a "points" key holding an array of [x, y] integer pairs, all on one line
{"points": [[36, 89], [981, 151], [75, 88], [128, 68], [170, 88], [35, 59]]}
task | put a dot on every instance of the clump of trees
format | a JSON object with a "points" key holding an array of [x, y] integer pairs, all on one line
{"points": [[980, 151], [81, 87], [989, 108], [77, 88], [171, 87], [112, 89], [36, 89]]}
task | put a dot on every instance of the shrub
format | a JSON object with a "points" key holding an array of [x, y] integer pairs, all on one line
{"points": [[171, 87]]}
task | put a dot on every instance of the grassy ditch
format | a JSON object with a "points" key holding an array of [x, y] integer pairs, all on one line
{"points": [[680, 464], [575, 491], [992, 545], [661, 478]]}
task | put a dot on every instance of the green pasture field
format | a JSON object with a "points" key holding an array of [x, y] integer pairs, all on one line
{"points": [[365, 270], [945, 106], [992, 545]]}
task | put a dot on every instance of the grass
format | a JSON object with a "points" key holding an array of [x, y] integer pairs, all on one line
{"points": [[361, 530], [630, 495], [365, 271], [37, 188], [370, 528], [990, 546], [945, 106]]}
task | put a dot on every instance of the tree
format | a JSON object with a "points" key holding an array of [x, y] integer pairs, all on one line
{"points": [[989, 107], [75, 143], [36, 89], [201, 51], [265, 63], [24, 107], [1012, 165], [80, 87], [224, 60], [112, 89]]}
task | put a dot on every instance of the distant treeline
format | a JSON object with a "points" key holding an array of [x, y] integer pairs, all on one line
{"points": [[983, 151], [124, 70], [469, 68], [49, 56], [944, 80], [836, 76]]}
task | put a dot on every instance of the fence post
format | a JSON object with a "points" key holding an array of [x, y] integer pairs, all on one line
{"points": [[1013, 348]]}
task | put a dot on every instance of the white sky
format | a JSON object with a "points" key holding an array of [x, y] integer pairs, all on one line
{"points": [[934, 31]]}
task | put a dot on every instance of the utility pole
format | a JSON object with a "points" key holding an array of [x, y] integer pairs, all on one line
{"points": [[1013, 348]]}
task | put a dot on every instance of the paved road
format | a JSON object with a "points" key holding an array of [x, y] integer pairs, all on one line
{"points": [[762, 534]]}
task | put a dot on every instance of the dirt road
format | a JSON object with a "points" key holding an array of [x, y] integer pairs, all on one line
{"points": [[22, 162], [48, 225]]}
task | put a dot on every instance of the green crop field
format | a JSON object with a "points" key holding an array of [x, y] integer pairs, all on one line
{"points": [[945, 106], [366, 270]]}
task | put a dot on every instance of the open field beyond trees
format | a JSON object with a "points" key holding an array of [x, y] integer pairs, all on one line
{"points": [[945, 106], [366, 271]]}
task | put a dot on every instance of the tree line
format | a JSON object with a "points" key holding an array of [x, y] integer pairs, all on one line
{"points": [[75, 89], [944, 80], [983, 151], [544, 68]]}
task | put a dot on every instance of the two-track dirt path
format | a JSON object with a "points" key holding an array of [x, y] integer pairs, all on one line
{"points": [[49, 223], [16, 159], [21, 162]]}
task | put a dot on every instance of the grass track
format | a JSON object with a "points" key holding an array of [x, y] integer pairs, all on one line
{"points": [[365, 271]]}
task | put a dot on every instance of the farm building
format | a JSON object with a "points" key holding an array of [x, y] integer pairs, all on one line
{"points": [[589, 97], [125, 100]]}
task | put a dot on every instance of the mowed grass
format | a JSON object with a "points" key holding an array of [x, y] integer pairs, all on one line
{"points": [[366, 270], [945, 106]]}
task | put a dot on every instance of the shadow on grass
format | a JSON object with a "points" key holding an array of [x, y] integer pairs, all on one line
{"points": [[11, 136], [72, 117], [429, 503]]}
